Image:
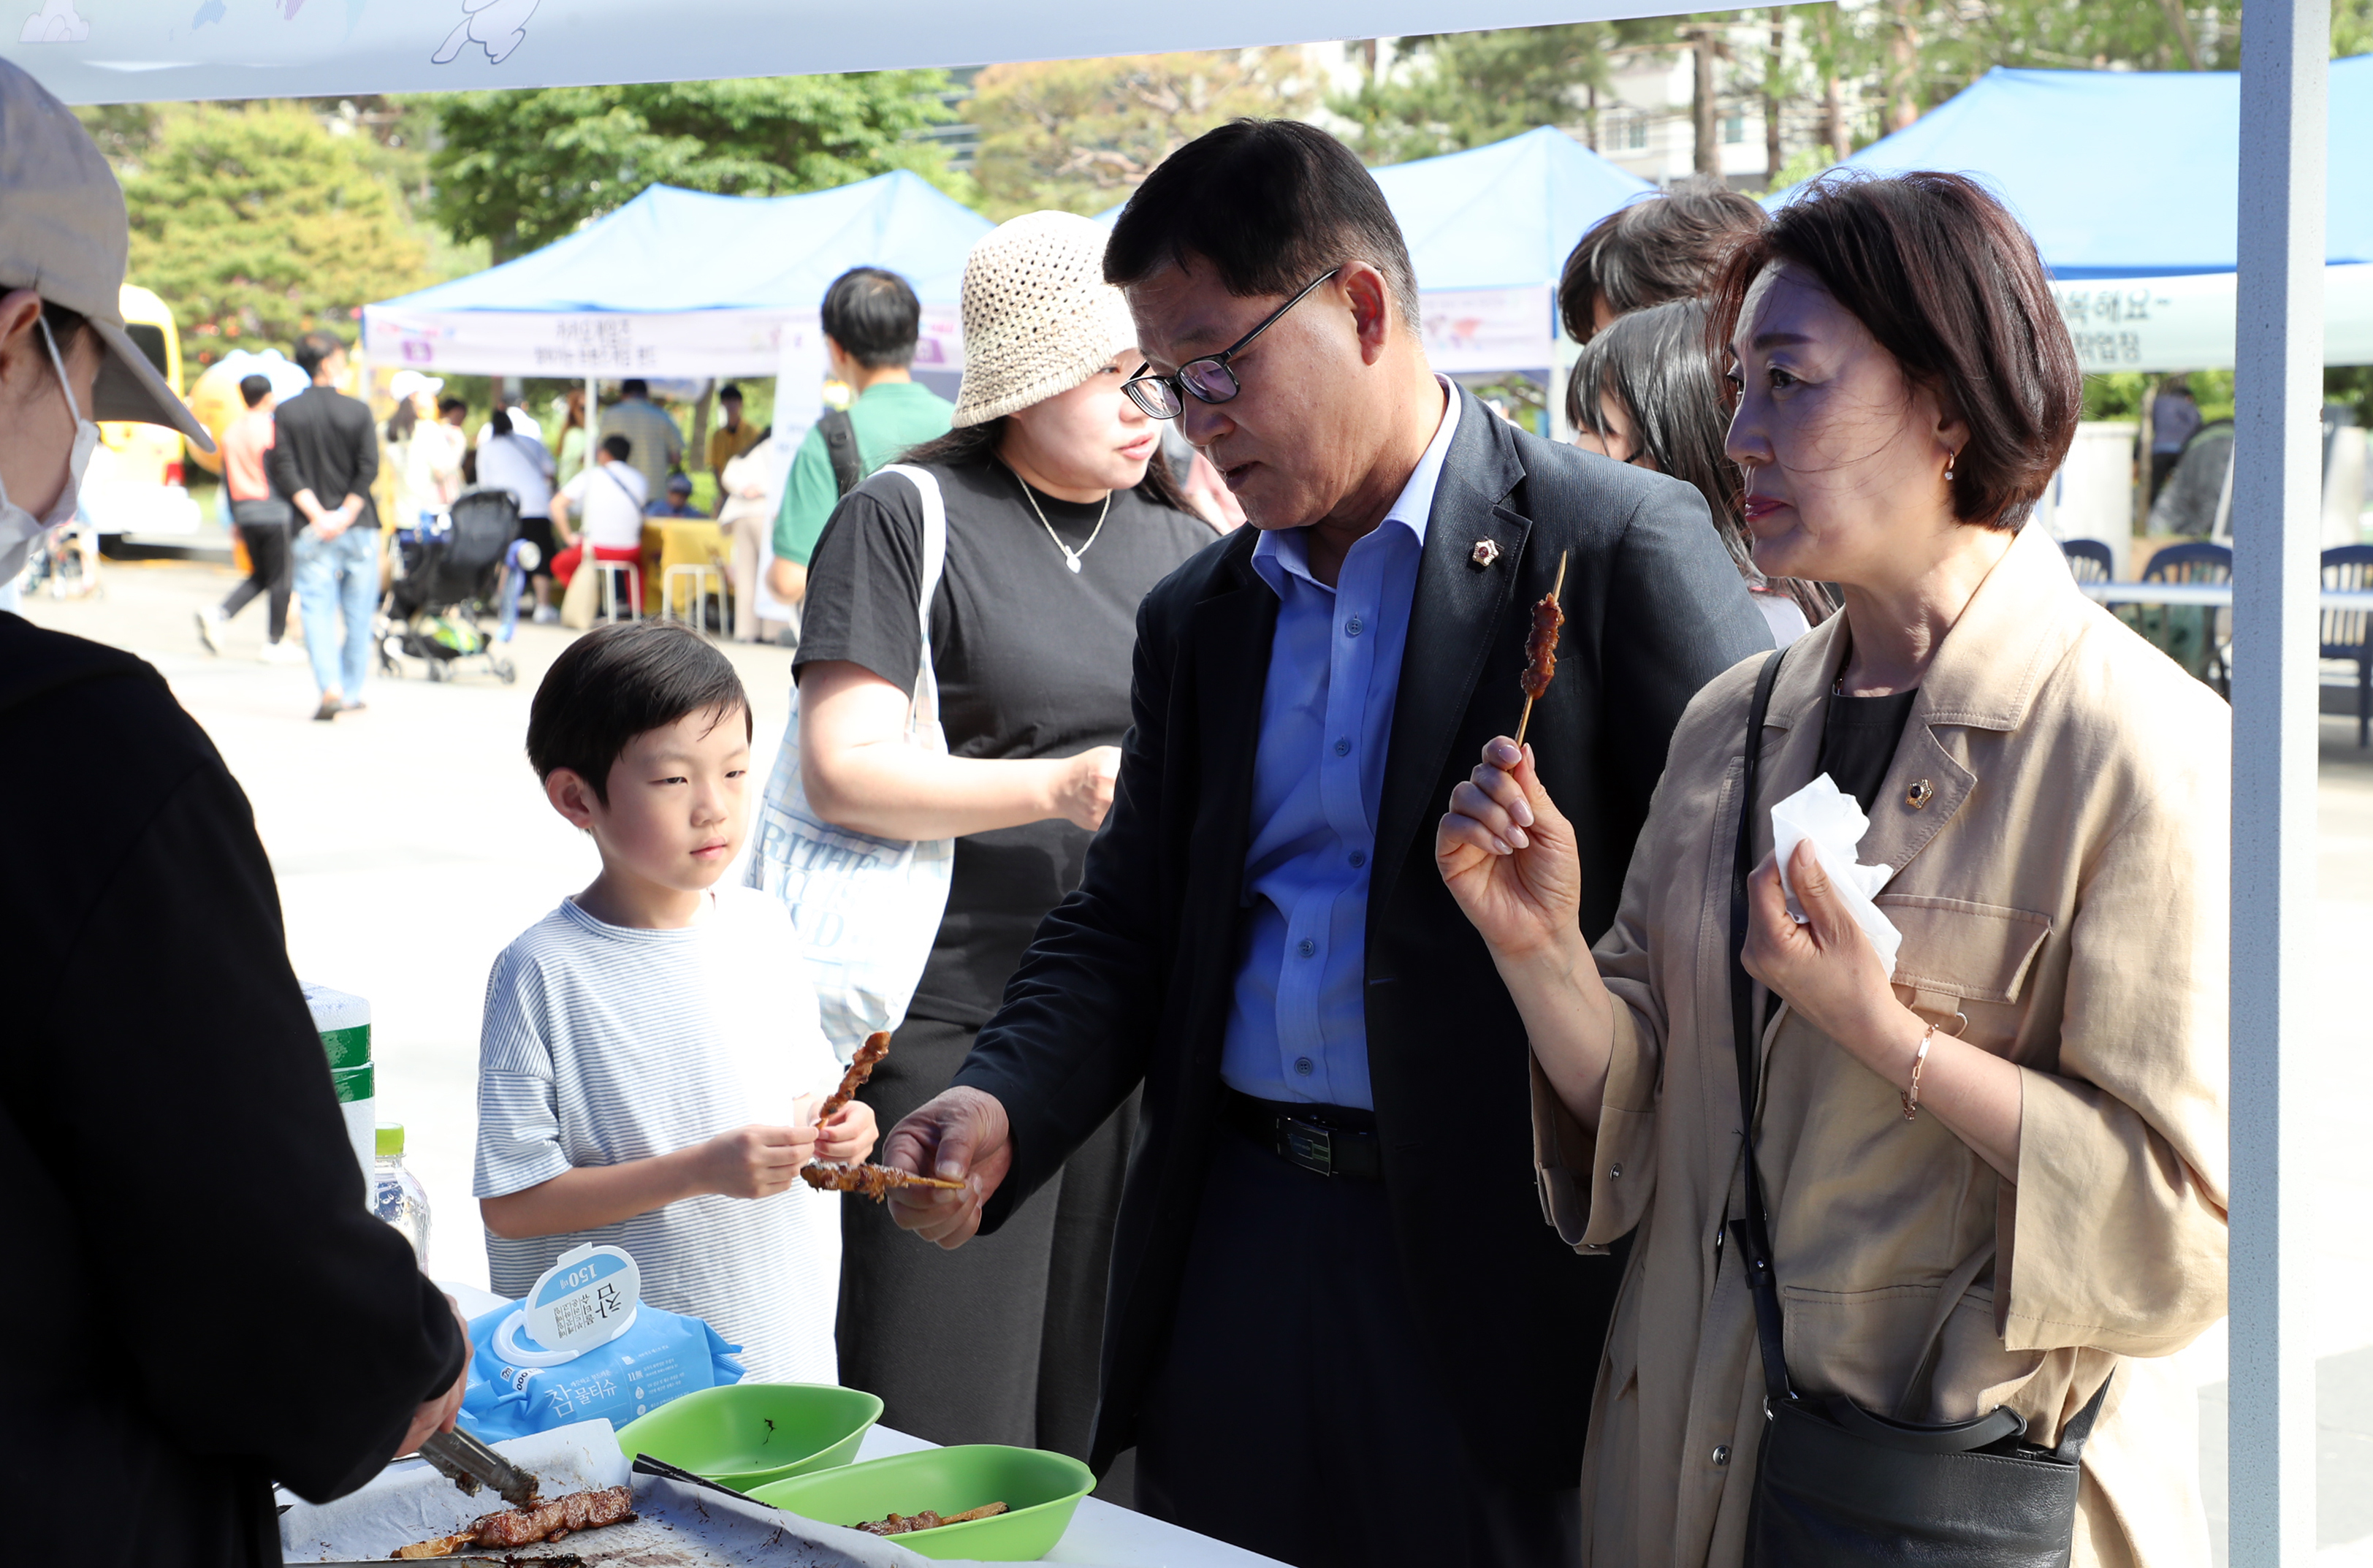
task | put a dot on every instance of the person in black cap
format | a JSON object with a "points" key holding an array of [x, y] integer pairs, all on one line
{"points": [[202, 1304]]}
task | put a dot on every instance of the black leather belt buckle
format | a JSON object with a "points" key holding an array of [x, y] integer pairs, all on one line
{"points": [[1307, 1144]]}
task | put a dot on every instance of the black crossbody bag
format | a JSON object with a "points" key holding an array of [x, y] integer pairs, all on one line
{"points": [[1838, 1486]]}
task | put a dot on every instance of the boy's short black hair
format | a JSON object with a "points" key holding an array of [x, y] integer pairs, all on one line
{"points": [[621, 680], [619, 447], [1269, 204], [872, 313], [255, 389], [731, 393], [634, 386]]}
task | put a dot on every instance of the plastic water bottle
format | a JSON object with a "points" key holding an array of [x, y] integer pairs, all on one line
{"points": [[397, 1195]]}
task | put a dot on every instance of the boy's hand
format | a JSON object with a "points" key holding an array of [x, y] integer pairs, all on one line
{"points": [[849, 1135], [755, 1162]]}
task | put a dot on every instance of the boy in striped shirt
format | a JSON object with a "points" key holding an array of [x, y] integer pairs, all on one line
{"points": [[650, 1061]]}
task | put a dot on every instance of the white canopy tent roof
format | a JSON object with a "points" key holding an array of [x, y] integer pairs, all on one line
{"points": [[137, 49], [140, 51], [680, 283]]}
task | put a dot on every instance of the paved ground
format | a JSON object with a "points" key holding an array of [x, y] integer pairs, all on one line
{"points": [[412, 843]]}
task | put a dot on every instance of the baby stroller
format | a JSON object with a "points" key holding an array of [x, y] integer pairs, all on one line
{"points": [[447, 569]]}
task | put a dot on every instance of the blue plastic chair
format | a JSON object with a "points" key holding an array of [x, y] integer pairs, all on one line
{"points": [[2201, 561], [2088, 560], [2348, 634]]}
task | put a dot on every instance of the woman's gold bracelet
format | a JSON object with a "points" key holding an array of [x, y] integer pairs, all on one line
{"points": [[1911, 1097]]}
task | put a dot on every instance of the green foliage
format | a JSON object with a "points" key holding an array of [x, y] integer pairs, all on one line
{"points": [[2118, 394], [256, 223], [1078, 135], [1468, 89], [520, 169], [1803, 164]]}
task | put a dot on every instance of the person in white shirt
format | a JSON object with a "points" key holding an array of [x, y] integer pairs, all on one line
{"points": [[650, 1064], [607, 500], [513, 460], [522, 424]]}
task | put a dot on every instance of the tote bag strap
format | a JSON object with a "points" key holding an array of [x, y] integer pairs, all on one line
{"points": [[923, 709]]}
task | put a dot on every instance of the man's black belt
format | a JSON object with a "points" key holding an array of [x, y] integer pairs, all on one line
{"points": [[1333, 1140]]}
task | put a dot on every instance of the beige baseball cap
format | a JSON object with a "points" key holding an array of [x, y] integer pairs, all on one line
{"points": [[66, 238]]}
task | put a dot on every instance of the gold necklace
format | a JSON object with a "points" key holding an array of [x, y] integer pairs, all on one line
{"points": [[1071, 556]]}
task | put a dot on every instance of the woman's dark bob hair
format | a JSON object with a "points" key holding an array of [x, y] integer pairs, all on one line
{"points": [[1949, 284]]}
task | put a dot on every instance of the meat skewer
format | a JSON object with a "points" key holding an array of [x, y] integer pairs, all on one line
{"points": [[1540, 648], [869, 1181], [908, 1524], [540, 1522], [861, 1068]]}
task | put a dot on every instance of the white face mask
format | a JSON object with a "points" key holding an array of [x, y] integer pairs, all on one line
{"points": [[19, 528]]}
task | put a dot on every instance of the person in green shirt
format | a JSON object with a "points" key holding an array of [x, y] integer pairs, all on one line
{"points": [[871, 321]]}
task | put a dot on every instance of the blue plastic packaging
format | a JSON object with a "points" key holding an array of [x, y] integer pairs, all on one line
{"points": [[663, 1356]]}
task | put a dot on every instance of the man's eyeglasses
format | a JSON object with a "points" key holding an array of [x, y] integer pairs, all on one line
{"points": [[1164, 397]]}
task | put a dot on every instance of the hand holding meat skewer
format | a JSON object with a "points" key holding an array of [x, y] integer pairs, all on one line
{"points": [[870, 1181], [1540, 646]]}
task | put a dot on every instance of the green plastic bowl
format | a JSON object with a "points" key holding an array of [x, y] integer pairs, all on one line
{"points": [[1040, 1492], [745, 1434]]}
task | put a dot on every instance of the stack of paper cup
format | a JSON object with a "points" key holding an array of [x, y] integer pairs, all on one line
{"points": [[345, 1024]]}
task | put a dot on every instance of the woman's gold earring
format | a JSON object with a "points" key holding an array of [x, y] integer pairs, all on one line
{"points": [[1948, 466]]}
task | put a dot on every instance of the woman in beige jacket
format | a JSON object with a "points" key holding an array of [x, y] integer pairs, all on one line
{"points": [[2052, 795]]}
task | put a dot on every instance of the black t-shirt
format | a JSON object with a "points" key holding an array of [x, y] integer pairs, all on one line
{"points": [[1032, 660], [1859, 735]]}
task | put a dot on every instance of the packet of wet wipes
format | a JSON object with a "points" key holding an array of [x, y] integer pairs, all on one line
{"points": [[1830, 817], [516, 1389]]}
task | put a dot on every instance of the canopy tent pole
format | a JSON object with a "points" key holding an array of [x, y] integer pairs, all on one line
{"points": [[2277, 503]]}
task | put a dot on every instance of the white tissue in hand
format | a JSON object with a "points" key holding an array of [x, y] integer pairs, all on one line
{"points": [[1830, 819]]}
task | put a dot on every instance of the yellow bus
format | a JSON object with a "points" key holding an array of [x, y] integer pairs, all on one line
{"points": [[135, 484]]}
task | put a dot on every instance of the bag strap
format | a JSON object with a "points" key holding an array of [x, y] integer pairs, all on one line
{"points": [[2080, 1425], [1956, 1285], [1753, 1234], [925, 703], [839, 434]]}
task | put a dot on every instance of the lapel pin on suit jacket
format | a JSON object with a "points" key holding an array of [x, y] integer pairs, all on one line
{"points": [[1486, 551]]}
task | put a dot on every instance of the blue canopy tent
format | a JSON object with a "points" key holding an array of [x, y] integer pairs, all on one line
{"points": [[2166, 203], [680, 284], [2142, 245], [677, 283], [1505, 215], [1488, 230]]}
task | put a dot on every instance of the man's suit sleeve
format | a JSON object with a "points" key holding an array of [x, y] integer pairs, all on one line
{"points": [[1677, 614], [1071, 1039]]}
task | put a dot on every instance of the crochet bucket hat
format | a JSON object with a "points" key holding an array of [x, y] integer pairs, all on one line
{"points": [[1038, 317]]}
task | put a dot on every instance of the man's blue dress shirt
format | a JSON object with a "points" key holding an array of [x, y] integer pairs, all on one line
{"points": [[1296, 1029]]}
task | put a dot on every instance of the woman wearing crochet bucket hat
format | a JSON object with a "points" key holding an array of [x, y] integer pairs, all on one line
{"points": [[1061, 515]]}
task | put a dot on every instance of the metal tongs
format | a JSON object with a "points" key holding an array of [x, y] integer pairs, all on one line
{"points": [[470, 1464]]}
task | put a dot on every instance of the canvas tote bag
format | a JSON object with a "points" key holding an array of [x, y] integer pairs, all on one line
{"points": [[866, 908]]}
